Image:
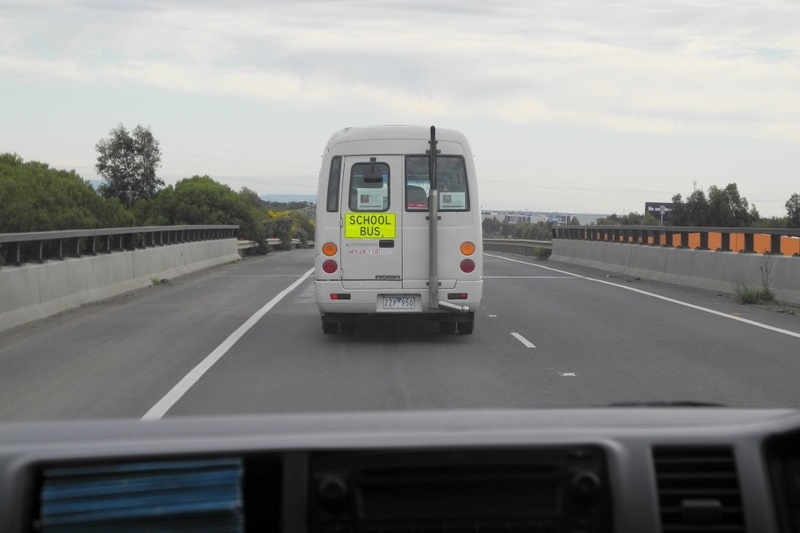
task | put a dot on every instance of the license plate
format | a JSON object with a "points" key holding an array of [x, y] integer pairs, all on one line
{"points": [[399, 302]]}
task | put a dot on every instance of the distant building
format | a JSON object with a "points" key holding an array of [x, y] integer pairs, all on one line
{"points": [[518, 217], [584, 219]]}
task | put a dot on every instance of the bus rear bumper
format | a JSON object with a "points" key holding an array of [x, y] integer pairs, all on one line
{"points": [[334, 299]]}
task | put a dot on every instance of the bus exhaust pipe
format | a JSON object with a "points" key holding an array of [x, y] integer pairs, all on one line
{"points": [[453, 308]]}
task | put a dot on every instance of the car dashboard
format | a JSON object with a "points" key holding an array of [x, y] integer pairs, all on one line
{"points": [[550, 470]]}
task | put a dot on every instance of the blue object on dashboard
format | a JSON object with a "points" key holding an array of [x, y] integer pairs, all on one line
{"points": [[201, 495]]}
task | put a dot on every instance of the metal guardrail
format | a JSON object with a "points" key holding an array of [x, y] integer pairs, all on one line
{"points": [[21, 248], [516, 246], [785, 241], [245, 246]]}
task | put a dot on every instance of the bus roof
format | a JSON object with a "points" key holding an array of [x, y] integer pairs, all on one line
{"points": [[395, 133]]}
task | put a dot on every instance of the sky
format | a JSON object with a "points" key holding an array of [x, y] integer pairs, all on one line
{"points": [[573, 106]]}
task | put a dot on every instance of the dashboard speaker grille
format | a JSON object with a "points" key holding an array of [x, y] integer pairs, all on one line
{"points": [[192, 495], [698, 489]]}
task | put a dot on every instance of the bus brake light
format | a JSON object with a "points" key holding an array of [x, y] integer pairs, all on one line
{"points": [[330, 266]]}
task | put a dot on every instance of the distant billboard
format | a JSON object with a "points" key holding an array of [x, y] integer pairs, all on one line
{"points": [[659, 210]]}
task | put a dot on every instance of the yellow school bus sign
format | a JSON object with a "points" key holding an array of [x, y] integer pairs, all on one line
{"points": [[370, 225]]}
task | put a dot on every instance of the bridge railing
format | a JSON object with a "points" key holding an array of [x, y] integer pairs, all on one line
{"points": [[779, 241], [38, 247], [517, 246]]}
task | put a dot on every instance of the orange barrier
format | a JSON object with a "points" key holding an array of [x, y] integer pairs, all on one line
{"points": [[749, 240]]}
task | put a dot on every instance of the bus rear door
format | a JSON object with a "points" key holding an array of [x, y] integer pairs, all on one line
{"points": [[372, 246]]}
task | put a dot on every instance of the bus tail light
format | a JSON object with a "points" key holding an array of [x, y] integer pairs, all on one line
{"points": [[330, 266], [467, 248], [457, 295], [467, 265], [340, 296], [329, 249]]}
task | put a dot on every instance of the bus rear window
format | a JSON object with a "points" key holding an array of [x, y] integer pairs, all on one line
{"points": [[333, 184], [369, 187], [451, 177]]}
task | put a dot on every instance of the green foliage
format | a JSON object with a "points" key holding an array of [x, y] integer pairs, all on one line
{"points": [[286, 206], [630, 219], [128, 162], [745, 294], [291, 224], [542, 254], [491, 227], [201, 200], [252, 198], [771, 222], [721, 208], [35, 197], [540, 231], [280, 225], [304, 226], [793, 211]]}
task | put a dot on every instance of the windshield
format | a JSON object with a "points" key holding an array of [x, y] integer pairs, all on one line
{"points": [[617, 217]]}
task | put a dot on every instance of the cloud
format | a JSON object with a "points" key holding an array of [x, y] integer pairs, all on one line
{"points": [[719, 67]]}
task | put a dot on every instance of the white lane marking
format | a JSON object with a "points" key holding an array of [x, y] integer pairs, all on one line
{"points": [[664, 298], [165, 404], [567, 374], [523, 340], [527, 277]]}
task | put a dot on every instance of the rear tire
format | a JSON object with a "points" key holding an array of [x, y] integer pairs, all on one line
{"points": [[447, 328], [330, 328], [466, 328]]}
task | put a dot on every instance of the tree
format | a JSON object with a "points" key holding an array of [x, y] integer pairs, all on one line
{"points": [[697, 209], [35, 197], [793, 210], [491, 227], [727, 208], [722, 208], [540, 231], [201, 200], [128, 162], [629, 219]]}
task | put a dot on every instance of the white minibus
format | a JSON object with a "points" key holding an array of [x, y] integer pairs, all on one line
{"points": [[398, 228]]}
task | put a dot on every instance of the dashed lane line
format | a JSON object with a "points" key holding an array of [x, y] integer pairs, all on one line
{"points": [[525, 342], [658, 296]]}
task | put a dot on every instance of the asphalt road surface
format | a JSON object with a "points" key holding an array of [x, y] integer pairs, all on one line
{"points": [[246, 338]]}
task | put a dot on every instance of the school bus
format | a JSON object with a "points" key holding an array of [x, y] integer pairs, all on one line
{"points": [[398, 228]]}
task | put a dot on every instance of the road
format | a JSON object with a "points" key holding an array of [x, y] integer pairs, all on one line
{"points": [[546, 335]]}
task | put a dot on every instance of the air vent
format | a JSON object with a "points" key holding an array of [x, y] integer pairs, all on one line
{"points": [[193, 495], [698, 490]]}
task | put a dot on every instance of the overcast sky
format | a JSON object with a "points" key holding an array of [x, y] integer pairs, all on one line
{"points": [[571, 106]]}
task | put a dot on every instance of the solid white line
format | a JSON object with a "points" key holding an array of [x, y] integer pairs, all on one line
{"points": [[527, 277], [523, 340], [164, 404], [658, 296]]}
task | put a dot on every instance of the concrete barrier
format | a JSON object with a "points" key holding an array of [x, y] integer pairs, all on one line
{"points": [[35, 291], [701, 269]]}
